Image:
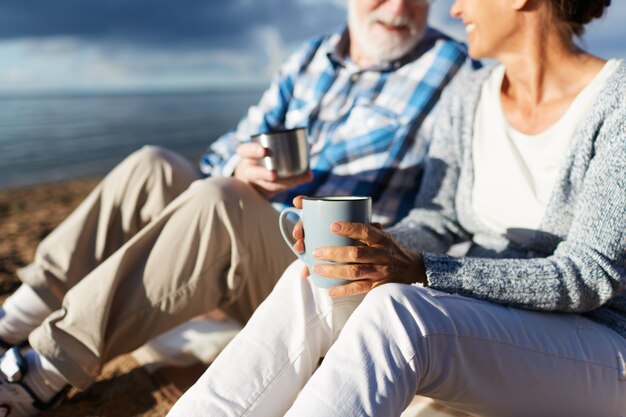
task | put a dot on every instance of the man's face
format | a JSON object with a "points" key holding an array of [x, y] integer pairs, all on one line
{"points": [[386, 29]]}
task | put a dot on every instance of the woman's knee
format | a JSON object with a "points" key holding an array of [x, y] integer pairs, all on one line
{"points": [[387, 299], [406, 309]]}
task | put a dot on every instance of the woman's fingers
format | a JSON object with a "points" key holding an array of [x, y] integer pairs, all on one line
{"points": [[298, 231], [354, 272], [298, 235], [298, 246], [359, 231], [352, 254], [304, 273], [297, 201]]}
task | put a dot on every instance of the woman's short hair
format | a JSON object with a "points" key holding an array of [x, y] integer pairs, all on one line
{"points": [[577, 13]]}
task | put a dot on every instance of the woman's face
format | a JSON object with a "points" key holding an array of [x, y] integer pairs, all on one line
{"points": [[490, 25]]}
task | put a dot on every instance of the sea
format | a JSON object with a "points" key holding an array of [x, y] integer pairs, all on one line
{"points": [[56, 137]]}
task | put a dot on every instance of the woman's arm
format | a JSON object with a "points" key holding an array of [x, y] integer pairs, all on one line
{"points": [[586, 270]]}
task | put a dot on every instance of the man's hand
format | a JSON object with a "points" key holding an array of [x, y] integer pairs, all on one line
{"points": [[263, 180], [380, 261]]}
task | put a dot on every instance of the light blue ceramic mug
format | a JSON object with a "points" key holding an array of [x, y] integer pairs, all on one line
{"points": [[317, 214]]}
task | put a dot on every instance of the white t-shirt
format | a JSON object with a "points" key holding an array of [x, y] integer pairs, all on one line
{"points": [[514, 173]]}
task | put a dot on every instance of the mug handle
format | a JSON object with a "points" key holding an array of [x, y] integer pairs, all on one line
{"points": [[283, 228]]}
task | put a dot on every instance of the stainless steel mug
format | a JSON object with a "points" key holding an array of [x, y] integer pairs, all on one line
{"points": [[288, 151], [317, 214]]}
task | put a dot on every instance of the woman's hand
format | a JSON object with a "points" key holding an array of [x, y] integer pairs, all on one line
{"points": [[298, 235], [380, 261], [298, 229], [262, 179]]}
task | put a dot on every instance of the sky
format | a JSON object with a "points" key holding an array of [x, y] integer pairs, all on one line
{"points": [[119, 45]]}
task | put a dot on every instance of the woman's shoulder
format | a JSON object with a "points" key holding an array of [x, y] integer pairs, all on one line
{"points": [[615, 85], [461, 95], [469, 78], [620, 71], [604, 127], [616, 81], [610, 104]]}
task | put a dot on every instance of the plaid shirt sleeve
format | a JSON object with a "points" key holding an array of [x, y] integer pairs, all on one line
{"points": [[220, 159]]}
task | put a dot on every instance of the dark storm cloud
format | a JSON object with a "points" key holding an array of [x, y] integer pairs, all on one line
{"points": [[165, 23]]}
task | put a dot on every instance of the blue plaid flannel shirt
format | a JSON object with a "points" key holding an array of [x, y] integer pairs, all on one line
{"points": [[368, 128]]}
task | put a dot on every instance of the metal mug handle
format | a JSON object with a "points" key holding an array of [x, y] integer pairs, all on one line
{"points": [[281, 223]]}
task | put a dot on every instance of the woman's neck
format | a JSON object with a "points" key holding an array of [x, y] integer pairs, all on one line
{"points": [[542, 78]]}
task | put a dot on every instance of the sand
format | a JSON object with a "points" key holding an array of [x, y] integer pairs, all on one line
{"points": [[27, 215]]}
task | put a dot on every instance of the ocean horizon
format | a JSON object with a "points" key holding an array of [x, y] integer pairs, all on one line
{"points": [[61, 136]]}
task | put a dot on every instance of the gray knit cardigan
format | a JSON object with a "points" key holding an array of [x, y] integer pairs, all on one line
{"points": [[575, 262]]}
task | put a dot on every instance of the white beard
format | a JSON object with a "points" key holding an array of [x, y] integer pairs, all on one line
{"points": [[378, 44]]}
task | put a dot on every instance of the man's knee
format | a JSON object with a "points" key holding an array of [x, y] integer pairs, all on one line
{"points": [[229, 191], [155, 167], [151, 157]]}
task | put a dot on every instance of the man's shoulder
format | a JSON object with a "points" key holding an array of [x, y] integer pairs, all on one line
{"points": [[326, 41], [302, 56], [468, 82], [311, 48]]}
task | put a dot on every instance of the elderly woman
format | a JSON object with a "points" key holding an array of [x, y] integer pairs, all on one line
{"points": [[528, 162]]}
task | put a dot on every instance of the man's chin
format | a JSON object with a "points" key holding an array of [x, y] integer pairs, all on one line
{"points": [[388, 30], [389, 50]]}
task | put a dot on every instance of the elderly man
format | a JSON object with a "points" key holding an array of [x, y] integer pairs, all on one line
{"points": [[156, 243]]}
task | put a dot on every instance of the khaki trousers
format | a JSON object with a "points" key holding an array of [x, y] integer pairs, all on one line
{"points": [[151, 247]]}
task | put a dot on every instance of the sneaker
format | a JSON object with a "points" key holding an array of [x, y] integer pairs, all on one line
{"points": [[16, 398], [4, 346]]}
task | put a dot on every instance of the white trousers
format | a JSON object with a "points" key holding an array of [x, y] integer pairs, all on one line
{"points": [[399, 341]]}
